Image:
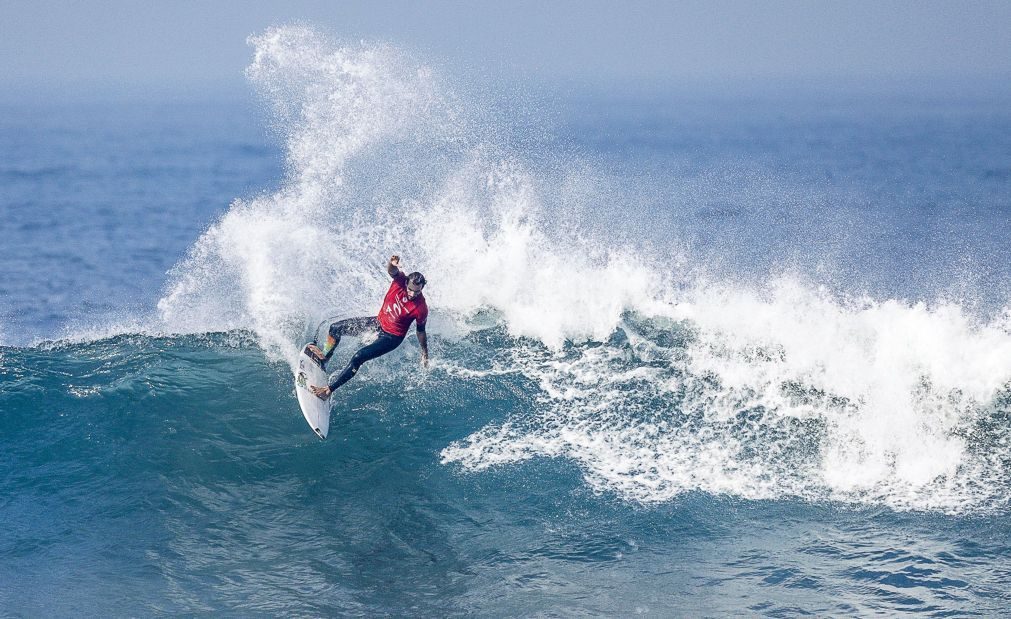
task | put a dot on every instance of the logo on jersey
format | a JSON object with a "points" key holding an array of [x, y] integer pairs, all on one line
{"points": [[396, 309]]}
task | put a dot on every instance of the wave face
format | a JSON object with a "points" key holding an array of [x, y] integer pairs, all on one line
{"points": [[152, 475], [654, 383]]}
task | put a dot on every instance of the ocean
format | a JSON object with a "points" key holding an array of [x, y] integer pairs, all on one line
{"points": [[694, 353]]}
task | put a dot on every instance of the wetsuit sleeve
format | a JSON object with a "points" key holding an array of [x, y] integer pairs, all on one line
{"points": [[400, 279]]}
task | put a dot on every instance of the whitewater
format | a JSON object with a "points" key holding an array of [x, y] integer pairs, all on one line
{"points": [[613, 371]]}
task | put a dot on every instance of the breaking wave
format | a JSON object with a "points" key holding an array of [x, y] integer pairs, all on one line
{"points": [[653, 378]]}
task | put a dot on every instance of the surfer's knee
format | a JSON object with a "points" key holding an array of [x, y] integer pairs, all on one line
{"points": [[358, 360]]}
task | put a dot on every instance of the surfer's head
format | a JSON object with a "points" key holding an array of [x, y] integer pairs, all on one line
{"points": [[415, 282]]}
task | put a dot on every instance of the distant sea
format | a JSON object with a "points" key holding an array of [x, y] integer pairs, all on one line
{"points": [[694, 354]]}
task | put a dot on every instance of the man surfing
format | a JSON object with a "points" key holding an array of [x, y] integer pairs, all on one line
{"points": [[404, 303]]}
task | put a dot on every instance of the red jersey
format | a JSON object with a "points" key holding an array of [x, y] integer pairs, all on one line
{"points": [[397, 312]]}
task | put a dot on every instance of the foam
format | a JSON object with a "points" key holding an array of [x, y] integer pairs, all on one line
{"points": [[787, 392]]}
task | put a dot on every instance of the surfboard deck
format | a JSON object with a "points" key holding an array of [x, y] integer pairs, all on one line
{"points": [[316, 411]]}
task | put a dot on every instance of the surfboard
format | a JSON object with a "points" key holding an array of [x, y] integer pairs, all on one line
{"points": [[316, 411]]}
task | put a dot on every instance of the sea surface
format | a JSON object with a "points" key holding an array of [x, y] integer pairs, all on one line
{"points": [[694, 352]]}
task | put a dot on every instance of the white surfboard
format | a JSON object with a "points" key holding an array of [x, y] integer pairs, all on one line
{"points": [[316, 411]]}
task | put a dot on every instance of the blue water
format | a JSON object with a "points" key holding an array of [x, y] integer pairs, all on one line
{"points": [[692, 354]]}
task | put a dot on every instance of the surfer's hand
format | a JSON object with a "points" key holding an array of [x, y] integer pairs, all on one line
{"points": [[395, 260], [320, 392]]}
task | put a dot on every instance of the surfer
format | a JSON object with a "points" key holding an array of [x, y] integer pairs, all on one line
{"points": [[403, 304]]}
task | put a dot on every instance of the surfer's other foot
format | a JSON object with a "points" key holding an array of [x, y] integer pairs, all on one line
{"points": [[317, 355], [323, 393]]}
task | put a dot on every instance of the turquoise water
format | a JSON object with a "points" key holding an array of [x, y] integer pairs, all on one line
{"points": [[174, 475], [691, 355]]}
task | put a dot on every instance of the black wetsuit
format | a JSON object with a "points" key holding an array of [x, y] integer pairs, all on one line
{"points": [[384, 343]]}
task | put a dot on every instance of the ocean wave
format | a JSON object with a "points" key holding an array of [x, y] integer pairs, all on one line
{"points": [[652, 377], [661, 408]]}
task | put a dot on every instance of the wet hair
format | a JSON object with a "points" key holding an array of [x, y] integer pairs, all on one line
{"points": [[417, 279]]}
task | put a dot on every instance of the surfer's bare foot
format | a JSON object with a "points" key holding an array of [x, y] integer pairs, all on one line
{"points": [[315, 353], [320, 392]]}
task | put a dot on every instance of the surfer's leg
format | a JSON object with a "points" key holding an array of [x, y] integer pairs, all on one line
{"points": [[384, 344], [349, 326]]}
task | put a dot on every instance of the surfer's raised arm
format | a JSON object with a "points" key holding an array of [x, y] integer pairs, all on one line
{"points": [[393, 266]]}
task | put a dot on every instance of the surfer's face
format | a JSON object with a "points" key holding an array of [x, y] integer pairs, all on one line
{"points": [[413, 291]]}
